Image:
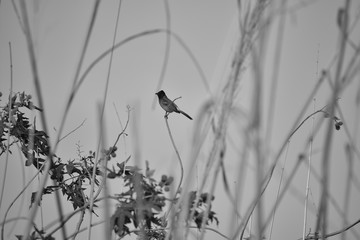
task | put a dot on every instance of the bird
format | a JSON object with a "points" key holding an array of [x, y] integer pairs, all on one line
{"points": [[168, 105]]}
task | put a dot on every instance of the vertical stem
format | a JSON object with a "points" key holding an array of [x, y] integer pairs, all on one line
{"points": [[308, 179], [8, 133], [49, 160], [321, 223], [348, 187], [278, 190], [180, 162]]}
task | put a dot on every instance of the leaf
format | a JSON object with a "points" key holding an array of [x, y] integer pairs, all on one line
{"points": [[133, 168], [70, 167], [111, 175], [33, 198], [122, 164], [120, 218], [49, 189], [28, 162], [149, 173], [213, 218], [38, 162], [13, 99]]}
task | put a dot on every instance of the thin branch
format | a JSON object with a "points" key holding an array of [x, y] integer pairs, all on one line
{"points": [[18, 15], [101, 125], [8, 132], [79, 66], [308, 176], [167, 49], [349, 157], [72, 131], [49, 160], [68, 217], [321, 222], [275, 74], [206, 228], [278, 190], [178, 157], [13, 202], [122, 127], [84, 229], [333, 233]]}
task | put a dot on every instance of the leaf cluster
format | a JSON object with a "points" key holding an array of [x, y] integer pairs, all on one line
{"points": [[67, 177], [141, 203], [199, 207]]}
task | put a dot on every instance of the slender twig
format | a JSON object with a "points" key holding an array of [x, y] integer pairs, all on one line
{"points": [[180, 162], [116, 141], [122, 127], [275, 73], [18, 15], [82, 214], [190, 227], [167, 49], [349, 157], [8, 139], [215, 231], [93, 175], [101, 135], [72, 131], [84, 229], [138, 187], [78, 68], [333, 233], [278, 190], [9, 125], [21, 204], [321, 223], [15, 199], [308, 177], [49, 160], [68, 217]]}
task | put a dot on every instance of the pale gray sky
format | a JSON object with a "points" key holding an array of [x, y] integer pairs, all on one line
{"points": [[208, 28]]}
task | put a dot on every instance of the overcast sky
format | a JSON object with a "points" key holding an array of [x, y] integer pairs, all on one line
{"points": [[209, 30]]}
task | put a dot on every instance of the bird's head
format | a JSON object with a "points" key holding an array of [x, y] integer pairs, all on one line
{"points": [[160, 94]]}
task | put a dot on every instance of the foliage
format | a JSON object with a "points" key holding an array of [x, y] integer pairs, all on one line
{"points": [[140, 206]]}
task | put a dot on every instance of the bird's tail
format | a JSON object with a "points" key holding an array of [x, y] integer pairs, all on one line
{"points": [[185, 114]]}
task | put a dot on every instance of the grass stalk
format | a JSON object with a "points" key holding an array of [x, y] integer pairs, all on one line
{"points": [[321, 223], [8, 133], [350, 161], [278, 190], [180, 163], [78, 68], [167, 49], [49, 161], [308, 178]]}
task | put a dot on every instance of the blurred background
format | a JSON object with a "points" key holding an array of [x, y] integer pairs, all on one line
{"points": [[309, 43]]}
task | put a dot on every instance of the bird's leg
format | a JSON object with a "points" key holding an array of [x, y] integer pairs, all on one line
{"points": [[166, 115]]}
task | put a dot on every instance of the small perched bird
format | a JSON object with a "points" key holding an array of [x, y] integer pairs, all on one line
{"points": [[168, 105]]}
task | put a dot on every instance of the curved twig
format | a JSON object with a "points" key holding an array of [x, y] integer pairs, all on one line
{"points": [[72, 131], [333, 233], [167, 48], [180, 162]]}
